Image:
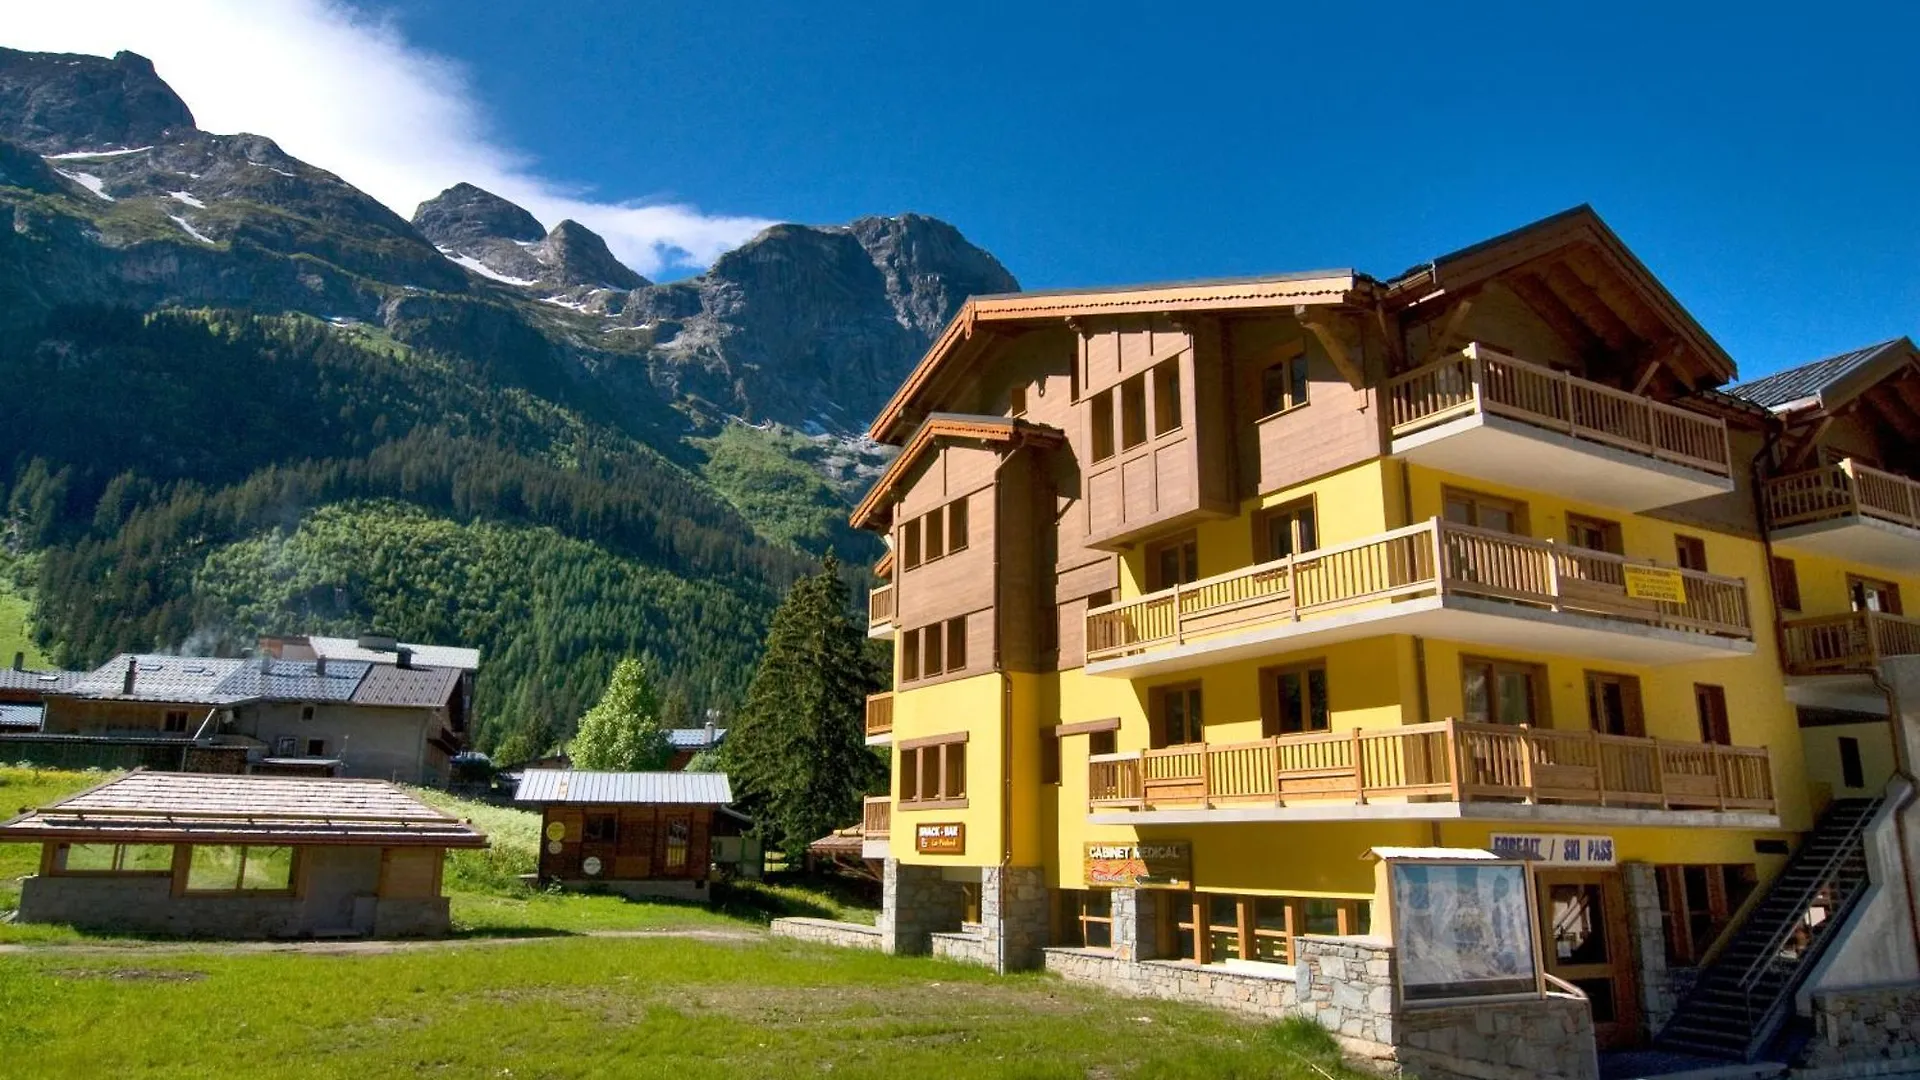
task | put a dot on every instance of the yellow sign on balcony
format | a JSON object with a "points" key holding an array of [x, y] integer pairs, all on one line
{"points": [[1655, 583]]}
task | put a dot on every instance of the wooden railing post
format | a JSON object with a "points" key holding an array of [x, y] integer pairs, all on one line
{"points": [[1179, 618], [1441, 572], [1293, 587], [1526, 762], [1599, 765], [1359, 771], [1455, 764], [1206, 778]]}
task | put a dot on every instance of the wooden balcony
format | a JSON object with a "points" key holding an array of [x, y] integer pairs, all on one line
{"points": [[880, 612], [1451, 761], [876, 819], [1480, 413], [1847, 511], [879, 715], [1845, 644], [1436, 578]]}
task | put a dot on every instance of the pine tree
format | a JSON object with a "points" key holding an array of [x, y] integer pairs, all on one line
{"points": [[797, 753], [623, 732]]}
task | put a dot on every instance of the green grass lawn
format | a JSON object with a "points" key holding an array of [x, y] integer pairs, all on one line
{"points": [[607, 1007], [13, 628]]}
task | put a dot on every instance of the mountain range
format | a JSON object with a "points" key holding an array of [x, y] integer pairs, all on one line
{"points": [[249, 398]]}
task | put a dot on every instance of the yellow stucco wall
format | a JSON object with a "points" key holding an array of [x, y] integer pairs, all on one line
{"points": [[972, 705]]}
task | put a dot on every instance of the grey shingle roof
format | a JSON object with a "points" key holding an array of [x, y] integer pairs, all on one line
{"points": [[184, 679], [21, 717], [436, 656], [580, 786], [44, 682], [695, 738], [1810, 380], [427, 688], [295, 680]]}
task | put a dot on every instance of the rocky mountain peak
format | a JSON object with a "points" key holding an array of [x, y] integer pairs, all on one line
{"points": [[930, 268], [60, 103], [498, 239], [464, 214], [576, 255]]}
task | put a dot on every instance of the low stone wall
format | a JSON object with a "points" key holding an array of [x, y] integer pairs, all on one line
{"points": [[1858, 1026], [1270, 996], [1347, 986], [966, 947], [829, 932], [1550, 1039]]}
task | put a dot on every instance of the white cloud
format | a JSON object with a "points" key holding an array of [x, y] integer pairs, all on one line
{"points": [[342, 88]]}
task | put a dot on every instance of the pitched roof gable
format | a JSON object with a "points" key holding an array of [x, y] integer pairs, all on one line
{"points": [[1001, 430], [1832, 381]]}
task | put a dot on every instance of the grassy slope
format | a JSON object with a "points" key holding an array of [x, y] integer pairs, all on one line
{"points": [[14, 636]]}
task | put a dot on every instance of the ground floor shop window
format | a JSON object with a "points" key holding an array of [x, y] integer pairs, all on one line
{"points": [[1212, 928], [1697, 903], [1085, 918]]}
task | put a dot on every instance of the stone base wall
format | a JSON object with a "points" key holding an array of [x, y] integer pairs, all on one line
{"points": [[1550, 1039], [1867, 1025], [1270, 996], [828, 932], [1014, 916], [915, 904], [1661, 988], [1347, 986], [967, 947]]}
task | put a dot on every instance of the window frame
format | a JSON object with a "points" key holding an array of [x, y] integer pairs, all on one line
{"points": [[1633, 701], [1710, 708], [1611, 540], [1538, 710], [1690, 552], [1273, 719], [1786, 583], [1187, 544], [1168, 402], [1294, 512], [1859, 586], [1476, 501], [1195, 916], [175, 721], [184, 870], [1072, 908], [57, 860], [910, 556], [1133, 413], [1294, 385], [607, 833], [946, 753], [1102, 432], [1853, 768], [1194, 719]]}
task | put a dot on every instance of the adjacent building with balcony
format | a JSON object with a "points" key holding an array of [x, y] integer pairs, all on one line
{"points": [[1200, 592]]}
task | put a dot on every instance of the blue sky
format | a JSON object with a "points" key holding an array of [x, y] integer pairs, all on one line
{"points": [[1764, 161]]}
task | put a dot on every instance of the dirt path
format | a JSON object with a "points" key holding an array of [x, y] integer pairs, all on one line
{"points": [[354, 947]]}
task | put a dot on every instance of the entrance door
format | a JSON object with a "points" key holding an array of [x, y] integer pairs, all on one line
{"points": [[1584, 929]]}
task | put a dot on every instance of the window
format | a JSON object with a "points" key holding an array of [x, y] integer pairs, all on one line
{"points": [[679, 841], [1133, 412], [1259, 928], [1171, 562], [1283, 386], [1613, 704], [1502, 692], [1101, 420], [933, 650], [1869, 594], [1176, 715], [600, 829], [1103, 742], [1086, 918], [1049, 758], [1484, 511], [910, 656], [1017, 401], [970, 902], [306, 712], [113, 859], [1166, 397], [1786, 584], [957, 643], [1596, 534], [933, 771], [957, 525], [1690, 552], [910, 544], [1852, 773], [1223, 927], [933, 659], [1285, 530], [233, 868], [316, 748], [1295, 700], [1710, 702], [1696, 904], [933, 535], [286, 746], [176, 720]]}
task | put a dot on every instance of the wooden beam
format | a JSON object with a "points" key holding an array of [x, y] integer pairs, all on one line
{"points": [[1441, 338], [1592, 310], [1808, 445], [1647, 372], [1339, 337], [1897, 413], [1559, 318]]}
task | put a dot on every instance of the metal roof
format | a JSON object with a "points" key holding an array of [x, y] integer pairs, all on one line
{"points": [[22, 717], [695, 738], [1810, 380], [153, 807], [43, 682], [183, 679], [296, 680], [580, 786], [427, 688], [435, 656]]}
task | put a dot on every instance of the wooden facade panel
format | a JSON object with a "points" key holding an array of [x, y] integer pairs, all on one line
{"points": [[1103, 502], [956, 583], [1099, 575], [1139, 491], [1071, 630], [639, 850], [1173, 481], [410, 873], [1338, 427]]}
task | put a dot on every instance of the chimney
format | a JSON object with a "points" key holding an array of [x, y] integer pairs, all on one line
{"points": [[709, 731], [403, 657], [126, 684], [320, 667], [19, 661]]}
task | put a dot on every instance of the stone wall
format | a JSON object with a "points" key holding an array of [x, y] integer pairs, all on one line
{"points": [[915, 904], [1865, 1025], [1549, 1039], [1660, 989], [1346, 984], [972, 946], [828, 932], [1014, 916], [1265, 995]]}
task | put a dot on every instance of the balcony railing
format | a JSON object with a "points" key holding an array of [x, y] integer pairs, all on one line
{"points": [[1448, 761], [1842, 490], [876, 819], [1856, 641], [1433, 558], [1480, 380], [879, 713], [880, 606]]}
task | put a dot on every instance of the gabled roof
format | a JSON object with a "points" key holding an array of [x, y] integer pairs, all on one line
{"points": [[186, 680], [167, 808], [294, 680], [583, 786], [21, 717], [1001, 430], [440, 656], [40, 682], [1830, 382], [695, 738], [1219, 294], [424, 688]]}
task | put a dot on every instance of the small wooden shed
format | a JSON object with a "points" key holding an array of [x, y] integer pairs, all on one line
{"points": [[240, 856], [637, 833]]}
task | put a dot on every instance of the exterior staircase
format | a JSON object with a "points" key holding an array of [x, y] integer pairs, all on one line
{"points": [[1746, 994]]}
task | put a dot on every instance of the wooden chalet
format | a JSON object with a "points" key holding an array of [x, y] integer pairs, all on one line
{"points": [[637, 833]]}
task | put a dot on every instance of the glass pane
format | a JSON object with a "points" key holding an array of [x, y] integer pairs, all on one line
{"points": [[1291, 707], [1183, 947], [1317, 719], [1273, 389], [89, 858], [268, 868], [1459, 511], [1099, 903], [1474, 689], [1193, 717], [147, 858], [1270, 913], [1516, 697], [1578, 924], [1279, 536], [1297, 370], [1496, 518], [1363, 917], [1320, 917], [1099, 935], [213, 869], [1309, 528], [1223, 910]]}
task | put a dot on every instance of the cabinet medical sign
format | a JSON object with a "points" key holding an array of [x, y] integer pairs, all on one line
{"points": [[940, 838], [1164, 865], [1553, 849], [1655, 583]]}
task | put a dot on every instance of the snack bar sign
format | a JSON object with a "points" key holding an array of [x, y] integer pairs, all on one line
{"points": [[1164, 865], [1554, 849], [940, 838]]}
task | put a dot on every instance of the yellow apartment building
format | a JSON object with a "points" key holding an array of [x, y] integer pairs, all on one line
{"points": [[1201, 592]]}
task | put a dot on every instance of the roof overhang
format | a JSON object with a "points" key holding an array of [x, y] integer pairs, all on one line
{"points": [[873, 511], [956, 344]]}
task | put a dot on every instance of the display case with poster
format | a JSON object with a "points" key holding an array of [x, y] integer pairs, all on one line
{"points": [[1463, 928]]}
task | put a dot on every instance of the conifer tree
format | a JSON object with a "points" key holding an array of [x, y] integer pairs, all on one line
{"points": [[623, 732], [797, 753]]}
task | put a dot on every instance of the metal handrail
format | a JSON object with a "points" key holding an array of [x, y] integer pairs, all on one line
{"points": [[1851, 843]]}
